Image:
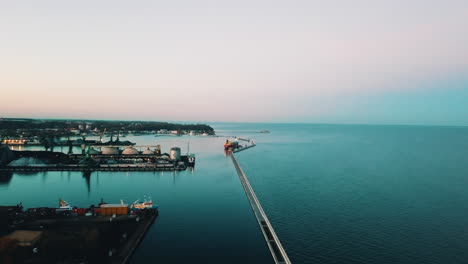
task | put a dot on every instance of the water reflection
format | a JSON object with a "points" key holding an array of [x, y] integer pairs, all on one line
{"points": [[87, 177], [5, 177], [46, 177], [227, 153], [25, 173]]}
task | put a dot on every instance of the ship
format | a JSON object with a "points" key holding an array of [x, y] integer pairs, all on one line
{"points": [[191, 160], [106, 209], [146, 204], [63, 206], [14, 141], [231, 145]]}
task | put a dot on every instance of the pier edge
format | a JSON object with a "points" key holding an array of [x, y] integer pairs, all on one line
{"points": [[276, 249]]}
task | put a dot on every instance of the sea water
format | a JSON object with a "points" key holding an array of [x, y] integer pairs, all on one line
{"points": [[362, 194], [333, 193]]}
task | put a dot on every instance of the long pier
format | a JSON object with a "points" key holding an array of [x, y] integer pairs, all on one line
{"points": [[243, 148], [277, 250]]}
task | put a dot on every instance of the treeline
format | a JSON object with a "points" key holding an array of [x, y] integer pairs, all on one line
{"points": [[150, 126], [32, 127]]}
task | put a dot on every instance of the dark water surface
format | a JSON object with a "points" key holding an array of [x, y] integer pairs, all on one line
{"points": [[362, 194], [333, 193]]}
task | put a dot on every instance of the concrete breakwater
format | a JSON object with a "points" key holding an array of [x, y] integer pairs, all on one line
{"points": [[277, 250]]}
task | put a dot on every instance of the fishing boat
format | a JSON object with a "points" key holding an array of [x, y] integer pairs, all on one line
{"points": [[146, 204], [63, 206]]}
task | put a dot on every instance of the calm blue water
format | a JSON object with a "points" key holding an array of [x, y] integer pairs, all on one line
{"points": [[362, 194], [334, 193]]}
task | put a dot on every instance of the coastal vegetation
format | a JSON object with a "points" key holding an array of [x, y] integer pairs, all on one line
{"points": [[21, 127]]}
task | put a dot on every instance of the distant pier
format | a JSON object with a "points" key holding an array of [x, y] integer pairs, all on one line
{"points": [[277, 250], [243, 148]]}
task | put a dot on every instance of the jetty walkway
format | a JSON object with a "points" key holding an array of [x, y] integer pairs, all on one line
{"points": [[277, 250]]}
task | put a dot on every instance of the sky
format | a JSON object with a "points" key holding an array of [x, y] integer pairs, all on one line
{"points": [[362, 61]]}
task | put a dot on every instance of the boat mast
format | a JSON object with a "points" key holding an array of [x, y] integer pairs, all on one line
{"points": [[188, 146]]}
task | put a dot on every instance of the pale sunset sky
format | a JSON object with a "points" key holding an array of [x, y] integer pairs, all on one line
{"points": [[362, 61]]}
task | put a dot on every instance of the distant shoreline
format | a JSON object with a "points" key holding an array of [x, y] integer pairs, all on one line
{"points": [[29, 127]]}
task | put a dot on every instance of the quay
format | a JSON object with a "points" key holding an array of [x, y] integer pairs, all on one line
{"points": [[276, 249], [109, 159], [85, 168], [44, 238], [129, 248], [243, 148]]}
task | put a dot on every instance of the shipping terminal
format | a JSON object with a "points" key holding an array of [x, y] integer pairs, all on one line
{"points": [[106, 233], [97, 158]]}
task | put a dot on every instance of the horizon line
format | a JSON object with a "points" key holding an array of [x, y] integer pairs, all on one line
{"points": [[234, 122]]}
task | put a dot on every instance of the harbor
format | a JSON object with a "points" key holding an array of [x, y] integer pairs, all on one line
{"points": [[107, 233], [109, 158], [182, 193], [89, 169]]}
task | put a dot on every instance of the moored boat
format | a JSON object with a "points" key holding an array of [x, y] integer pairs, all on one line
{"points": [[64, 206], [231, 145], [146, 204]]}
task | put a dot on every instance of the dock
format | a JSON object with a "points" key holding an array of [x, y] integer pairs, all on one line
{"points": [[77, 239], [84, 168], [243, 148], [276, 249], [134, 241], [57, 161]]}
